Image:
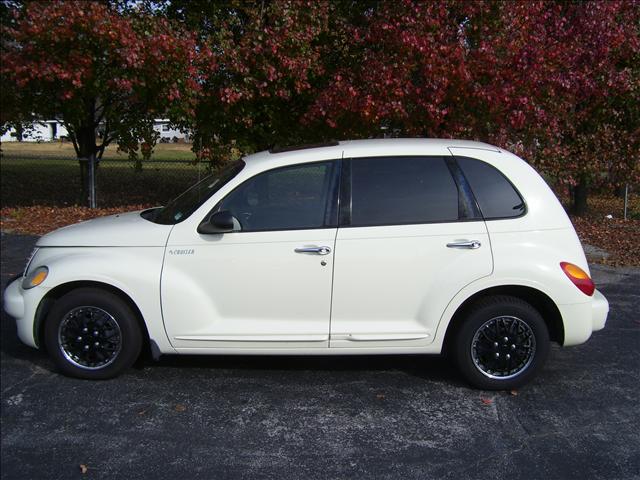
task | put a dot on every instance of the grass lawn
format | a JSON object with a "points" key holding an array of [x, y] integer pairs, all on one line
{"points": [[55, 181], [162, 151], [40, 186]]}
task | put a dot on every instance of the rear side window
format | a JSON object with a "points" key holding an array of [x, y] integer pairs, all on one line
{"points": [[496, 196], [402, 190]]}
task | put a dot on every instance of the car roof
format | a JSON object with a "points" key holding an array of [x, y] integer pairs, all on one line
{"points": [[365, 148]]}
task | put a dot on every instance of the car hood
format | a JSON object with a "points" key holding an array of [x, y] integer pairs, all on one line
{"points": [[121, 230]]}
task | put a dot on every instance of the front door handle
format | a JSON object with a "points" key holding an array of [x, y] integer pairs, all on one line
{"points": [[317, 250], [471, 244]]}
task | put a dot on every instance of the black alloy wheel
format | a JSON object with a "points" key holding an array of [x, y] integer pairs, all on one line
{"points": [[501, 343], [93, 334]]}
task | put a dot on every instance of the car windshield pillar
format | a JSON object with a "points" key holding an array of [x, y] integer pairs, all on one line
{"points": [[181, 207]]}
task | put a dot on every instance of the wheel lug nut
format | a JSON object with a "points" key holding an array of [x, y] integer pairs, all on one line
{"points": [[513, 347], [85, 329], [497, 355], [495, 344], [79, 339], [508, 356], [95, 333], [98, 343], [86, 347], [506, 339]]}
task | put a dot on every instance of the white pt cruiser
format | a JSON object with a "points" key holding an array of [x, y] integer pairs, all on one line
{"points": [[395, 246]]}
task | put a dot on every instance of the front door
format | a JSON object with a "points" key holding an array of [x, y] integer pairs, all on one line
{"points": [[411, 240], [267, 285]]}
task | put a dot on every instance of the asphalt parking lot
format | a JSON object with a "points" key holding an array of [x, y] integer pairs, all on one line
{"points": [[338, 417]]}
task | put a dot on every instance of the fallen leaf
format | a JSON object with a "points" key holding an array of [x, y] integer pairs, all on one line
{"points": [[380, 396], [486, 401], [83, 468], [142, 412], [180, 407], [514, 393], [38, 219], [616, 236]]}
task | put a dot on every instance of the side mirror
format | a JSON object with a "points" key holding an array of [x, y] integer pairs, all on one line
{"points": [[219, 222]]}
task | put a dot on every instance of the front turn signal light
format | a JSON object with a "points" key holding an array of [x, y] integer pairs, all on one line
{"points": [[579, 277], [35, 278]]}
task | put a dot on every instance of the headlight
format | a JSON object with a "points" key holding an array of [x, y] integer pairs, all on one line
{"points": [[35, 278]]}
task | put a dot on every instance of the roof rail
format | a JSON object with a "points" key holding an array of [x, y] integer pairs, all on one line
{"points": [[292, 148]]}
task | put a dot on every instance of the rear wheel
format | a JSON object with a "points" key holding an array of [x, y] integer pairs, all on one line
{"points": [[501, 344], [93, 334]]}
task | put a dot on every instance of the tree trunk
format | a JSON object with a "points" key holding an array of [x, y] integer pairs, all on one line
{"points": [[580, 193], [86, 148]]}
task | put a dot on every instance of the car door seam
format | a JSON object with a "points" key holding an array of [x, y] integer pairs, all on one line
{"points": [[333, 273], [164, 255], [335, 243]]}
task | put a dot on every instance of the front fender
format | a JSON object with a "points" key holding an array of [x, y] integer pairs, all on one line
{"points": [[136, 271]]}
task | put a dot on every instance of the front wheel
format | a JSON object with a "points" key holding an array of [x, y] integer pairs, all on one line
{"points": [[93, 334], [502, 343]]}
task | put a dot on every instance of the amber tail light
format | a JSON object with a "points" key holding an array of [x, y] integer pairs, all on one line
{"points": [[579, 277]]}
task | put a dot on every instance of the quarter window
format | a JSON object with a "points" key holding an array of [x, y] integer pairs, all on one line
{"points": [[289, 198], [402, 190], [496, 196]]}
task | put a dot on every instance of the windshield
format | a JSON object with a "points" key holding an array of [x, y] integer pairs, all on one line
{"points": [[188, 202]]}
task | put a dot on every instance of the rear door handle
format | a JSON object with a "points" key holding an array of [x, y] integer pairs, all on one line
{"points": [[317, 250], [471, 244]]}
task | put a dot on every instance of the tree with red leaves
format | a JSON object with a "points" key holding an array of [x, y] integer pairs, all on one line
{"points": [[565, 79], [558, 82], [269, 56], [404, 69], [104, 73]]}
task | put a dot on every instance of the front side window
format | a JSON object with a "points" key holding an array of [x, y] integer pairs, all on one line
{"points": [[496, 196], [402, 190], [289, 198]]}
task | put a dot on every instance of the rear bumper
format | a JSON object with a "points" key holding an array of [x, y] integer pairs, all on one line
{"points": [[599, 310], [582, 319]]}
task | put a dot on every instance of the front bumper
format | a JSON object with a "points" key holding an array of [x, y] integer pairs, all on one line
{"points": [[22, 305], [13, 301]]}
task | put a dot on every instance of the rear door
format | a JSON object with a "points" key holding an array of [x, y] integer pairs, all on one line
{"points": [[410, 237]]}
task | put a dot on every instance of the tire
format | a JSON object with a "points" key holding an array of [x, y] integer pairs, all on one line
{"points": [[92, 334], [502, 343]]}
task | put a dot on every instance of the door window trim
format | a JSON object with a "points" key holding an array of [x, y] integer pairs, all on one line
{"points": [[468, 208], [488, 219], [465, 194], [331, 204]]}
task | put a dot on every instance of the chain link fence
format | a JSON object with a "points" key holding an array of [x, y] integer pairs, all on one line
{"points": [[27, 180], [55, 181]]}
